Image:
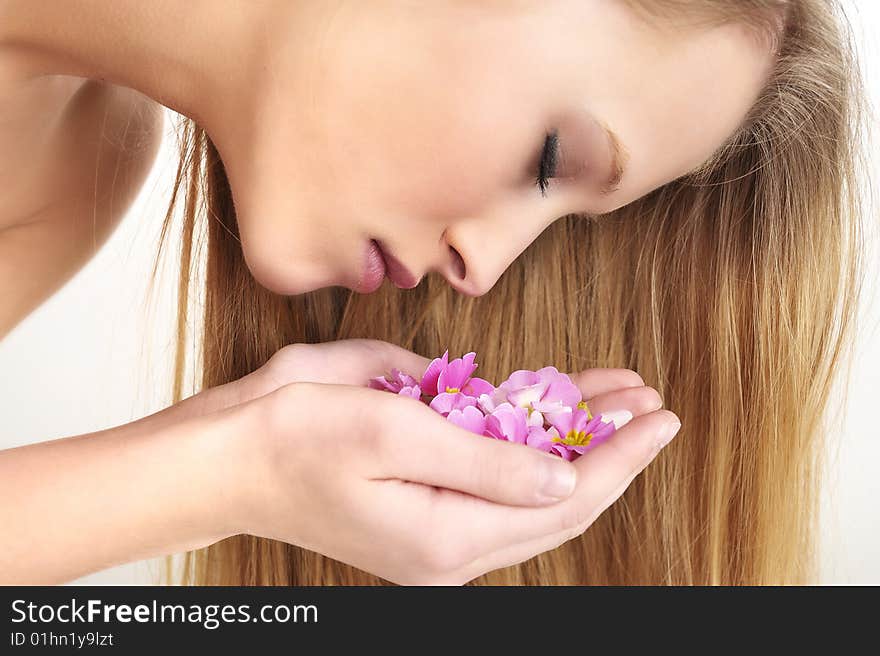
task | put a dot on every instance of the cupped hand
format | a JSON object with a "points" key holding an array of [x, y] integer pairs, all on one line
{"points": [[384, 483]]}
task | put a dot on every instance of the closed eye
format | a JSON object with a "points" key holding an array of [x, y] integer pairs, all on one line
{"points": [[549, 161]]}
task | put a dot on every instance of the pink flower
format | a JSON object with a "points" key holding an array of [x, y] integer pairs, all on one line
{"points": [[543, 391], [432, 373], [445, 377], [543, 440], [451, 383], [578, 430], [509, 423], [542, 409]]}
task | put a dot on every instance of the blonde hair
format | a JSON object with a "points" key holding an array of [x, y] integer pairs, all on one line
{"points": [[732, 290]]}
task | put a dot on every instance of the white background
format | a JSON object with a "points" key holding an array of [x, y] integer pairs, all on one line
{"points": [[91, 357]]}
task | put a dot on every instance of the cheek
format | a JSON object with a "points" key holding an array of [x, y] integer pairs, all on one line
{"points": [[433, 154], [443, 179], [275, 258]]}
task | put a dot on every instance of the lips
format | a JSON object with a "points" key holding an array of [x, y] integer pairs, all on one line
{"points": [[396, 271], [373, 269]]}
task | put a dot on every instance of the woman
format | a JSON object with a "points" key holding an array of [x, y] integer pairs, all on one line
{"points": [[658, 186]]}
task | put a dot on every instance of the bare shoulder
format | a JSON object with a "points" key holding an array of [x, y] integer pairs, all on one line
{"points": [[73, 156]]}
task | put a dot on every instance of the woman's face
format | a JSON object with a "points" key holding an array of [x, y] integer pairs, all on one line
{"points": [[422, 125]]}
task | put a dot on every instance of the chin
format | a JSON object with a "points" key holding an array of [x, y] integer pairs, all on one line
{"points": [[282, 278]]}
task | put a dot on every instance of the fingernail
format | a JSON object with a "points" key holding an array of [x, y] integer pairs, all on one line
{"points": [[666, 433], [619, 417], [559, 479]]}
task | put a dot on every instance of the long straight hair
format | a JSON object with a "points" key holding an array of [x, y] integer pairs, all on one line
{"points": [[731, 290]]}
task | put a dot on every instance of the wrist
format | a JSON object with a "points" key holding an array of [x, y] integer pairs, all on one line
{"points": [[201, 472], [238, 474]]}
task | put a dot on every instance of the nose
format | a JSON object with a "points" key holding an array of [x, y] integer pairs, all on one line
{"points": [[457, 275], [480, 249], [470, 269]]}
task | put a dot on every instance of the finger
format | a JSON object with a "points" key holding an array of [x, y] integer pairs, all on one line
{"points": [[383, 356], [636, 401], [425, 447], [606, 470], [593, 382], [344, 362], [524, 551], [602, 473]]}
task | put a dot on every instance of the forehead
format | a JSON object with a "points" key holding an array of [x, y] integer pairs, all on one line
{"points": [[672, 83], [478, 82]]}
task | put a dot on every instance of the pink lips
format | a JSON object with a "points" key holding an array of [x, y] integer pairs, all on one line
{"points": [[377, 264], [374, 269]]}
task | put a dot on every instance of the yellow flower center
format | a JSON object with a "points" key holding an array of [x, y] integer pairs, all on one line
{"points": [[452, 390], [582, 405], [575, 438]]}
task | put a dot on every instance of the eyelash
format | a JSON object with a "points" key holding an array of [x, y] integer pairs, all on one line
{"points": [[549, 161]]}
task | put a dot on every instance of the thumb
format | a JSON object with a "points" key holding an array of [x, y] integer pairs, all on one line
{"points": [[341, 362]]}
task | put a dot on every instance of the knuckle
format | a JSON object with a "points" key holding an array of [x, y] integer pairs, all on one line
{"points": [[656, 401], [278, 368], [283, 405], [286, 355], [489, 473], [291, 349], [523, 474], [633, 452], [570, 519], [642, 447], [374, 425]]}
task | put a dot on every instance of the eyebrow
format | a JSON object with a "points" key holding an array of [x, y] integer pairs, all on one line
{"points": [[619, 159]]}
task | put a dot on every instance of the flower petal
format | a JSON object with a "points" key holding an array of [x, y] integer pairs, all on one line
{"points": [[477, 386], [508, 422], [535, 419], [469, 418], [445, 402], [525, 396], [563, 422], [550, 407], [538, 438], [404, 378], [521, 378], [486, 403], [377, 382], [411, 390], [428, 382], [559, 386], [456, 373]]}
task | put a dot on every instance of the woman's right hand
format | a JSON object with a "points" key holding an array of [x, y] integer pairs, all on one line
{"points": [[382, 482]]}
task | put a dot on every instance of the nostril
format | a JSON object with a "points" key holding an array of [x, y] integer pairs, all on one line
{"points": [[458, 264]]}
